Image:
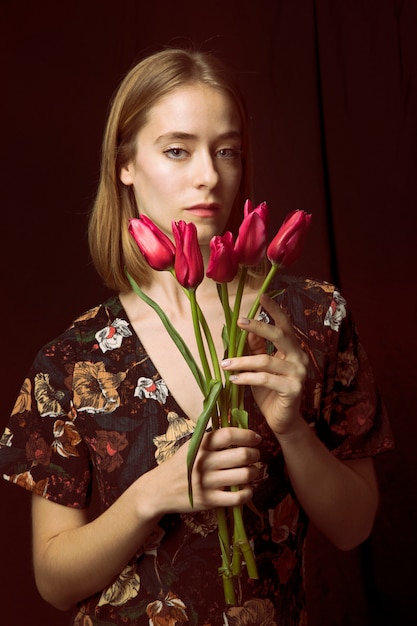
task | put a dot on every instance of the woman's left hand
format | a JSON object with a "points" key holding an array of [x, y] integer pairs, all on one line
{"points": [[277, 380]]}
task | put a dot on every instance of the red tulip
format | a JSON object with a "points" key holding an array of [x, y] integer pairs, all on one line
{"points": [[286, 246], [156, 247], [189, 266], [223, 264], [252, 238]]}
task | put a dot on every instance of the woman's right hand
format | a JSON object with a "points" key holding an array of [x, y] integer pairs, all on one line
{"points": [[225, 459], [75, 558]]}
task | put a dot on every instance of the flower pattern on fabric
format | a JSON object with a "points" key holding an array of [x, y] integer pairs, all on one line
{"points": [[168, 612], [202, 523], [67, 438], [108, 446], [263, 317], [6, 438], [94, 408], [336, 312], [147, 388], [25, 480], [284, 519], [24, 399], [259, 612], [111, 337], [95, 389], [38, 451], [347, 366], [124, 589], [82, 620], [168, 443], [46, 396]]}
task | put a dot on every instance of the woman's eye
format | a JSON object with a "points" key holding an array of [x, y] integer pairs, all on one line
{"points": [[175, 153], [228, 153]]}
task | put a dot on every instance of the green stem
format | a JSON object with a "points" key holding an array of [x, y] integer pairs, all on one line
{"points": [[209, 338], [225, 303], [198, 336], [242, 544], [225, 569], [209, 404], [224, 540], [210, 343], [223, 408], [255, 306], [175, 336], [237, 396], [236, 309]]}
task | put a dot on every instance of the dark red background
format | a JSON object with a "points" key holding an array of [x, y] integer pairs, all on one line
{"points": [[332, 90]]}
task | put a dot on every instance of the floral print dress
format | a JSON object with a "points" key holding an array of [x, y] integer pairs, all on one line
{"points": [[93, 410]]}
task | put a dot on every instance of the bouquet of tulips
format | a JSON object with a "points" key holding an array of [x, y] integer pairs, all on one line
{"points": [[223, 402]]}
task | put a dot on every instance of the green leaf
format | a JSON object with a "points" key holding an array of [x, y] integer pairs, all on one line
{"points": [[173, 333], [275, 292], [195, 441], [225, 338], [239, 417]]}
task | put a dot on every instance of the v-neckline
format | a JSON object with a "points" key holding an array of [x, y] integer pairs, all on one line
{"points": [[174, 404]]}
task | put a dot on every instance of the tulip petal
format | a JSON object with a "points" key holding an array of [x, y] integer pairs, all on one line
{"points": [[287, 245], [223, 265], [252, 238], [189, 265], [156, 247]]}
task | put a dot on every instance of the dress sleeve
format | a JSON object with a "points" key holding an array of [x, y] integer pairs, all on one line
{"points": [[41, 448], [352, 419]]}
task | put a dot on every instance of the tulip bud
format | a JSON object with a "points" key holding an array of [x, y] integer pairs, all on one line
{"points": [[189, 266], [223, 265], [252, 238], [286, 246], [156, 247]]}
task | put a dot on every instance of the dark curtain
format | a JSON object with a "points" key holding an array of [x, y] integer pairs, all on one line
{"points": [[331, 86]]}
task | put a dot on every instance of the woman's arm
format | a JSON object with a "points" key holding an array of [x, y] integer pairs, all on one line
{"points": [[75, 558], [341, 498]]}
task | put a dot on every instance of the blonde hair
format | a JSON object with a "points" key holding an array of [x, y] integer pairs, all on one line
{"points": [[111, 246]]}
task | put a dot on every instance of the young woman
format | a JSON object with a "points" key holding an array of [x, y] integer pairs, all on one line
{"points": [[112, 401]]}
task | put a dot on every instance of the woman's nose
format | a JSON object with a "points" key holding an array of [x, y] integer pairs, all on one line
{"points": [[206, 174]]}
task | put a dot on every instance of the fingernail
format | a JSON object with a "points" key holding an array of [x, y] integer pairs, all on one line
{"points": [[225, 363], [233, 377], [244, 321]]}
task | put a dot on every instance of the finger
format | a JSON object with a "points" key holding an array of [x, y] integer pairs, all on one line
{"points": [[225, 438], [267, 331], [259, 332], [226, 478], [280, 334], [267, 371], [231, 458], [226, 498], [290, 387], [278, 315], [273, 364]]}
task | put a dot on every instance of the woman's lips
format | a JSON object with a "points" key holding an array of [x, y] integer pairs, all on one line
{"points": [[203, 210]]}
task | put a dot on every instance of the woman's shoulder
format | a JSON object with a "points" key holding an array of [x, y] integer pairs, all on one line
{"points": [[109, 309], [299, 291], [84, 330], [311, 303], [308, 289]]}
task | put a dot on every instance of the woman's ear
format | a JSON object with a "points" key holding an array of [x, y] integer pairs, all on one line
{"points": [[126, 174]]}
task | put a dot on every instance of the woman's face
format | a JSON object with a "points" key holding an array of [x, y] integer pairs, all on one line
{"points": [[188, 160]]}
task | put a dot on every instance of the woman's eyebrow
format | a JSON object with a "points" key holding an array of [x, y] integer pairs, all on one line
{"points": [[180, 135]]}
